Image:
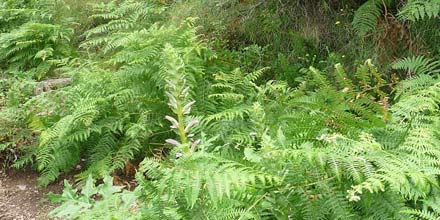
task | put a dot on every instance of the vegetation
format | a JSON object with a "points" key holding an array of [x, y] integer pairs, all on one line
{"points": [[226, 109]]}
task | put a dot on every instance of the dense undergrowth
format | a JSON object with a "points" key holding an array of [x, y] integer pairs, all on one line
{"points": [[226, 109]]}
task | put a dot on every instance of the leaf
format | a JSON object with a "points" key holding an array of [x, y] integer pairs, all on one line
{"points": [[107, 189], [251, 155], [89, 188]]}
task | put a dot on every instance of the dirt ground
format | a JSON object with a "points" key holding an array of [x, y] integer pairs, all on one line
{"points": [[21, 199]]}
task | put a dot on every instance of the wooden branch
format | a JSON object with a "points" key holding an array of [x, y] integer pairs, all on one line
{"points": [[50, 84]]}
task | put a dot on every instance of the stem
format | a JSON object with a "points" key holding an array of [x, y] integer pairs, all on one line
{"points": [[253, 205], [181, 126], [402, 139]]}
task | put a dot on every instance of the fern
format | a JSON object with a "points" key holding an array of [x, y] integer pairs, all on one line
{"points": [[119, 19], [215, 141], [286, 159], [415, 10], [38, 45], [419, 65], [195, 183], [127, 104], [366, 17], [424, 214]]}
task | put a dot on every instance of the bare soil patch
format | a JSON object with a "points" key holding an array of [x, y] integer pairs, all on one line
{"points": [[21, 198]]}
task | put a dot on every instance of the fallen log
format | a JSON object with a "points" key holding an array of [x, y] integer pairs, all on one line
{"points": [[50, 84]]}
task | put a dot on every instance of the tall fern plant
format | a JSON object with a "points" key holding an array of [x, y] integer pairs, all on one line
{"points": [[117, 19], [34, 48], [376, 173], [34, 44], [117, 110], [415, 10], [366, 17]]}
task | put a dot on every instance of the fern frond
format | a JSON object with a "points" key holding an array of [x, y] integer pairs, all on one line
{"points": [[418, 65], [416, 10], [366, 17], [423, 214]]}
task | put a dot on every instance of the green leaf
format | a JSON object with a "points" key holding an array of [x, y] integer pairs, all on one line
{"points": [[251, 155], [89, 188], [107, 189]]}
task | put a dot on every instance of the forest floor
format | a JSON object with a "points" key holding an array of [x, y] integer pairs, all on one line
{"points": [[21, 198]]}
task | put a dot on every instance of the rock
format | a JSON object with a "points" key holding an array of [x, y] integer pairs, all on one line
{"points": [[22, 187]]}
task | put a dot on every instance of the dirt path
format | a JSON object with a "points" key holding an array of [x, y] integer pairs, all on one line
{"points": [[21, 199]]}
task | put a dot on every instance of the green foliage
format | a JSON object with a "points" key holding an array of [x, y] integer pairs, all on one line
{"points": [[39, 44], [199, 186], [419, 65], [116, 19], [12, 14], [35, 47], [237, 119], [278, 176], [114, 203], [415, 10], [111, 116], [366, 16]]}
